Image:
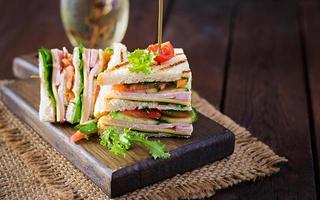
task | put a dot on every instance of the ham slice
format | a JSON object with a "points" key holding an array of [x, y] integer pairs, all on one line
{"points": [[57, 55], [92, 66], [62, 80], [182, 127], [184, 96], [58, 84], [176, 128]]}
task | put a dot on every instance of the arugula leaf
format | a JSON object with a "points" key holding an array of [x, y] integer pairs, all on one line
{"points": [[146, 110], [141, 61], [119, 143], [88, 127], [181, 105], [47, 72], [151, 83]]}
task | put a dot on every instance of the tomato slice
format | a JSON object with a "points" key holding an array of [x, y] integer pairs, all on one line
{"points": [[77, 136], [166, 52], [181, 83], [132, 88], [107, 53], [150, 114], [120, 88]]}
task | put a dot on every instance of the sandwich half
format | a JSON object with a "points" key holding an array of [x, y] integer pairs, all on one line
{"points": [[157, 103], [169, 83], [68, 83]]}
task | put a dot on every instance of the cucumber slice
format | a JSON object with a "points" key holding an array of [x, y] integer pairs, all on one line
{"points": [[173, 120], [170, 118], [177, 113], [175, 90], [152, 90], [127, 118]]}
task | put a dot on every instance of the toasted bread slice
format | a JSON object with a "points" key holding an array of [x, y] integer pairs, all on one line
{"points": [[171, 70], [47, 106]]}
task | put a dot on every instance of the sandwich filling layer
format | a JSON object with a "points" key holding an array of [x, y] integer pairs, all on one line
{"points": [[151, 120], [73, 114], [103, 107], [177, 92], [93, 63], [62, 81]]}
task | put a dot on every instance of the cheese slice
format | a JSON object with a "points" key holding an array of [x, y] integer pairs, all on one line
{"points": [[164, 100]]}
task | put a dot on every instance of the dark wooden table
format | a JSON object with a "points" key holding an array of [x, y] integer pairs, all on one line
{"points": [[258, 61]]}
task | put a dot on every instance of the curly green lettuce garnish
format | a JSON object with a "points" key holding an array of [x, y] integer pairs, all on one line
{"points": [[119, 143], [156, 148], [141, 61]]}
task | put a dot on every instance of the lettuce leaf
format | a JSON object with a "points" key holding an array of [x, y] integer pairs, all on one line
{"points": [[119, 143], [194, 115], [88, 127], [78, 103], [47, 72], [141, 61], [156, 148]]}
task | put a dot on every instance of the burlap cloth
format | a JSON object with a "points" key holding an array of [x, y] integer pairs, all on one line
{"points": [[31, 169]]}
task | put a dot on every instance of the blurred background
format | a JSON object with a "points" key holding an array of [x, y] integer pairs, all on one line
{"points": [[27, 25]]}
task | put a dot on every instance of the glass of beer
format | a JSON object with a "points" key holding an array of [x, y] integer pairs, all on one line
{"points": [[94, 23]]}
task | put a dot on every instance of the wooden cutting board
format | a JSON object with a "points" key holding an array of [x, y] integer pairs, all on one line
{"points": [[113, 174], [25, 66]]}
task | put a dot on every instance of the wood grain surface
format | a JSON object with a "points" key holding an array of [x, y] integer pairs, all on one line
{"points": [[266, 94], [310, 44], [25, 26], [117, 175], [206, 52], [257, 60]]}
